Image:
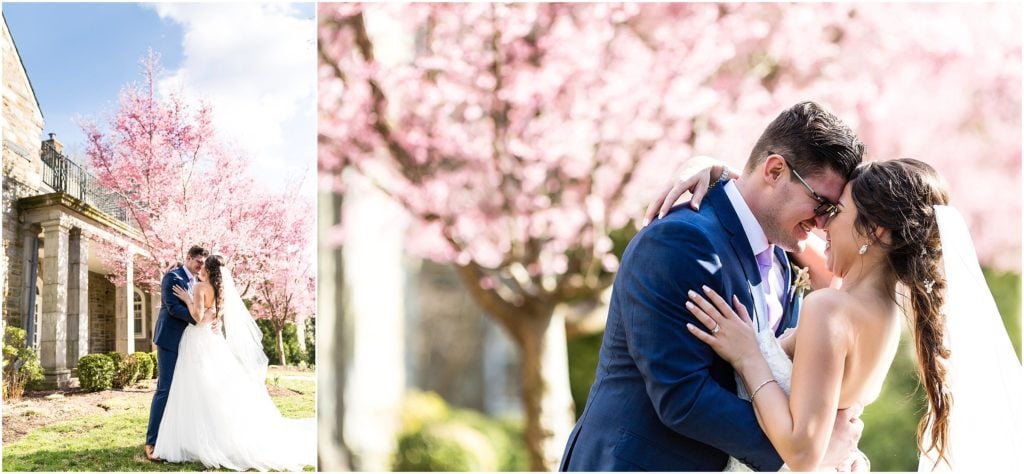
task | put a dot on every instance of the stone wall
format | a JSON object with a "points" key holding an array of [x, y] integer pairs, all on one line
{"points": [[447, 338], [455, 349], [145, 343], [101, 314], [24, 120], [13, 259], [22, 171]]}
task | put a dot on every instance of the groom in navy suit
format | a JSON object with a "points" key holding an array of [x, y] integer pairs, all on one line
{"points": [[663, 400], [170, 325]]}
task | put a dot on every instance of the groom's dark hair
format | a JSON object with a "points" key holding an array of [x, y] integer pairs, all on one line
{"points": [[811, 139], [197, 251]]}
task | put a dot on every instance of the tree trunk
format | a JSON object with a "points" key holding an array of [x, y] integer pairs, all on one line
{"points": [[300, 334], [547, 399], [334, 347], [539, 334], [280, 345]]}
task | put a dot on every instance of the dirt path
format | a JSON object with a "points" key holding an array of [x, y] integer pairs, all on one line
{"points": [[37, 409]]}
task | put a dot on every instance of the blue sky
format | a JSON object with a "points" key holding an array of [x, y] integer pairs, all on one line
{"points": [[255, 64], [75, 71]]}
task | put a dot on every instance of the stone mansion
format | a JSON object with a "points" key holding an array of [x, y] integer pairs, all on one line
{"points": [[55, 286]]}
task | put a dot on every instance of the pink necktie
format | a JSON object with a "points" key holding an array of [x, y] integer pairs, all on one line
{"points": [[770, 286]]}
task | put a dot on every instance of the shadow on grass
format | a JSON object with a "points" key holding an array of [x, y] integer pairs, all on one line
{"points": [[103, 443], [111, 441], [122, 459], [125, 459]]}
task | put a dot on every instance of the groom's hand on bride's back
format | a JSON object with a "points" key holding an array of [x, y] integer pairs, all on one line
{"points": [[845, 435]]}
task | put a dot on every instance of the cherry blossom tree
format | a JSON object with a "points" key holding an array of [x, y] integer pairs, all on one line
{"points": [[526, 140], [182, 185], [285, 289]]}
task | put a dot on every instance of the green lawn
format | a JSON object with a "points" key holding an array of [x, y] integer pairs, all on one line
{"points": [[111, 442], [299, 406]]}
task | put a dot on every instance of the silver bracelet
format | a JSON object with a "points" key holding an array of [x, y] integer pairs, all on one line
{"points": [[759, 387], [721, 178]]}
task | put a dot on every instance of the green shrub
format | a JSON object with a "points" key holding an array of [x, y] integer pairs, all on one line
{"points": [[21, 364], [516, 458], [311, 342], [126, 369], [96, 372], [505, 436], [291, 343], [145, 362], [436, 438], [421, 408], [115, 357], [156, 364], [444, 447], [583, 354]]}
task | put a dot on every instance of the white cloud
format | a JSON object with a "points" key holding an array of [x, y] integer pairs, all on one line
{"points": [[256, 65]]}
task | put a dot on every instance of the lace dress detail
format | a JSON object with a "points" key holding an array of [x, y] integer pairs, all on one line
{"points": [[781, 367]]}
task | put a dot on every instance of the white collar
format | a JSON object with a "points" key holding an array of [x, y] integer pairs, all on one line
{"points": [[191, 277], [755, 234]]}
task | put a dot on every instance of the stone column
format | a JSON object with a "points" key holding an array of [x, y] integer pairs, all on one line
{"points": [[376, 304], [30, 233], [154, 312], [54, 325], [78, 298], [124, 313]]}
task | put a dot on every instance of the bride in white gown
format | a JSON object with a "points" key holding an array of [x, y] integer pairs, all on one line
{"points": [[218, 410]]}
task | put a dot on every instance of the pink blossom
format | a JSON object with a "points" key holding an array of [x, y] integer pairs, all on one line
{"points": [[184, 186], [590, 108]]}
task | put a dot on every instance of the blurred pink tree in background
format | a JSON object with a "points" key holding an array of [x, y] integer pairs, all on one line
{"points": [[525, 140], [283, 288], [183, 185]]}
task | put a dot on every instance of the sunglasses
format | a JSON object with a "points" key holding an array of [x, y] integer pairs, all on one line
{"points": [[826, 208]]}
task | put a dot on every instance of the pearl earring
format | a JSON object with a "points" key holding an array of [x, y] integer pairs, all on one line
{"points": [[863, 249]]}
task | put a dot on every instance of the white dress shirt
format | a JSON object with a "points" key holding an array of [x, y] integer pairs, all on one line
{"points": [[758, 241]]}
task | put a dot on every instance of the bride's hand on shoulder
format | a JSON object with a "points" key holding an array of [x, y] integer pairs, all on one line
{"points": [[697, 183], [730, 331], [181, 293]]}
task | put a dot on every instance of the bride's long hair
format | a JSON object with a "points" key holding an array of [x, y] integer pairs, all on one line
{"points": [[213, 264], [900, 195]]}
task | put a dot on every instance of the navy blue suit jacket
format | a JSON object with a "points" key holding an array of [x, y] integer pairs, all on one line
{"points": [[174, 316], [663, 400]]}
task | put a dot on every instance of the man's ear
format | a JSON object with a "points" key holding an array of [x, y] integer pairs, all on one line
{"points": [[772, 168]]}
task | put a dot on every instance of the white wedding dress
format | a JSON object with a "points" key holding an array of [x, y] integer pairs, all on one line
{"points": [[782, 370], [218, 410]]}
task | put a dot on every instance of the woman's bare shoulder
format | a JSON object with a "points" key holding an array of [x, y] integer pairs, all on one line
{"points": [[829, 308], [828, 299]]}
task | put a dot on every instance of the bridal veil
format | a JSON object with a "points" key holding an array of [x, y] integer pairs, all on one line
{"points": [[986, 426]]}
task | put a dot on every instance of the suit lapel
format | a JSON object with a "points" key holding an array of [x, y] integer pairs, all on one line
{"points": [[730, 222], [184, 276], [787, 301]]}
